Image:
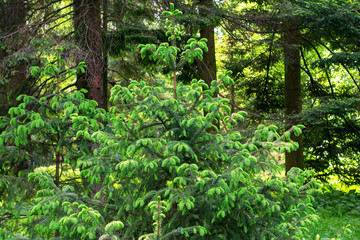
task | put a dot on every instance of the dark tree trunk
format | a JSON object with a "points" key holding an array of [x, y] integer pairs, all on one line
{"points": [[57, 168], [12, 22], [13, 76], [87, 24], [207, 67], [105, 53], [293, 98]]}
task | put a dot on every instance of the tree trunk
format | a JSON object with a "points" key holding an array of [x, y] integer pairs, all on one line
{"points": [[87, 24], [207, 67], [13, 19], [293, 98], [105, 53]]}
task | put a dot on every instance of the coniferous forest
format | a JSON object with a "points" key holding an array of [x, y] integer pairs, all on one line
{"points": [[179, 119]]}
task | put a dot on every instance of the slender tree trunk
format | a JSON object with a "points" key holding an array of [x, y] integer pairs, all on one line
{"points": [[105, 53], [87, 24], [232, 87], [207, 67], [293, 98], [57, 168]]}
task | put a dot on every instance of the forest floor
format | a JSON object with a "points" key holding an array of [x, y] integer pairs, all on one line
{"points": [[332, 226], [339, 213]]}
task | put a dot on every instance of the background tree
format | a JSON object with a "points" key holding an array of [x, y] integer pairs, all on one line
{"points": [[13, 42], [293, 96], [87, 26], [317, 37]]}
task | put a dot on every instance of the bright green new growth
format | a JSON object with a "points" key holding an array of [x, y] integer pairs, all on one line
{"points": [[173, 168], [167, 54]]}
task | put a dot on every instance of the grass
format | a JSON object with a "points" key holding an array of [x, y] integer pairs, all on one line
{"points": [[332, 226], [339, 213]]}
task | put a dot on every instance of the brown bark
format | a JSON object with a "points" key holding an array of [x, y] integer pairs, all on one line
{"points": [[87, 23], [11, 24], [57, 168], [293, 98], [207, 67], [105, 51]]}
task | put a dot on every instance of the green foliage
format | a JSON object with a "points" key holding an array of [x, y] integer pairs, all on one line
{"points": [[167, 54], [162, 147], [39, 133], [332, 134], [155, 167], [36, 129]]}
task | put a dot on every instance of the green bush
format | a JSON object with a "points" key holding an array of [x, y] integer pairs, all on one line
{"points": [[338, 203], [161, 164], [332, 147]]}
